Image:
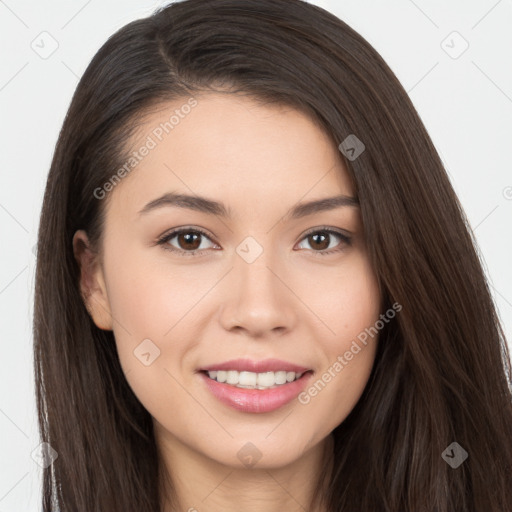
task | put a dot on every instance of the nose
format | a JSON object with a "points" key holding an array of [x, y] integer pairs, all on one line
{"points": [[258, 300]]}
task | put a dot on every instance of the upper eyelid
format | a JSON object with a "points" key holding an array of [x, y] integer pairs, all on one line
{"points": [[337, 231], [175, 232]]}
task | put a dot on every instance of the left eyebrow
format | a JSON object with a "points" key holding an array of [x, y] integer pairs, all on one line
{"points": [[327, 203], [211, 207]]}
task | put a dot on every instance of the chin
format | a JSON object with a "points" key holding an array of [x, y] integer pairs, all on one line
{"points": [[261, 452]]}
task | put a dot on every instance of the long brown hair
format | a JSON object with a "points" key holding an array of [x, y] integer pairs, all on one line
{"points": [[442, 371]]}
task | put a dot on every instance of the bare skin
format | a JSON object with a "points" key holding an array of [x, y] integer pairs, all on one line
{"points": [[291, 303]]}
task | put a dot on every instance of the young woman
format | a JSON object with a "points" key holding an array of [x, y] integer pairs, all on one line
{"points": [[256, 289]]}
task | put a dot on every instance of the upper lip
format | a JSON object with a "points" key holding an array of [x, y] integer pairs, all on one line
{"points": [[250, 365]]}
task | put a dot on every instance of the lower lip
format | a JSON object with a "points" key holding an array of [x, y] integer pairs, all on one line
{"points": [[256, 400]]}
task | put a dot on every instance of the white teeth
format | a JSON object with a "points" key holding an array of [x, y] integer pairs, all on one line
{"points": [[251, 380], [266, 379], [280, 377], [247, 379], [232, 377]]}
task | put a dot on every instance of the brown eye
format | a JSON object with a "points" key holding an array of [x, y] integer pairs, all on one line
{"points": [[188, 241], [320, 241]]}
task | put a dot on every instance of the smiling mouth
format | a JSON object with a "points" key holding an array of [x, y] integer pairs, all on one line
{"points": [[252, 380]]}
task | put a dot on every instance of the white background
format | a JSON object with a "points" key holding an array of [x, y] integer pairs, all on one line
{"points": [[465, 103]]}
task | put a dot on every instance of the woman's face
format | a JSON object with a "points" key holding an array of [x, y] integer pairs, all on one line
{"points": [[287, 293]]}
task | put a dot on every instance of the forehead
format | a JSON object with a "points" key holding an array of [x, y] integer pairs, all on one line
{"points": [[232, 148]]}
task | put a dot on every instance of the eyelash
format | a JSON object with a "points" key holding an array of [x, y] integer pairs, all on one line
{"points": [[169, 236]]}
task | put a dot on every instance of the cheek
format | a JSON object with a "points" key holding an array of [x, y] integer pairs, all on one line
{"points": [[145, 305], [147, 294], [352, 311], [348, 301], [155, 306], [150, 313], [336, 388]]}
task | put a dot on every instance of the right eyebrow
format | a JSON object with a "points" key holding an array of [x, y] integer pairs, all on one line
{"points": [[197, 203]]}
